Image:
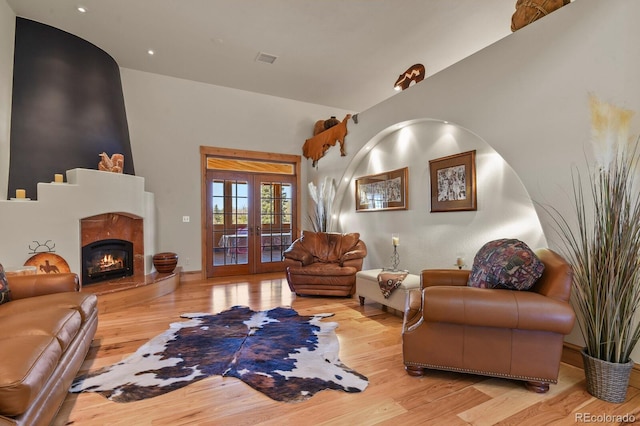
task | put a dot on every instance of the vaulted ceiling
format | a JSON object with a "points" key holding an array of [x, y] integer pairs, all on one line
{"points": [[340, 53]]}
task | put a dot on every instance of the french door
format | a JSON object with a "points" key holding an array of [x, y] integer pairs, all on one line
{"points": [[251, 219]]}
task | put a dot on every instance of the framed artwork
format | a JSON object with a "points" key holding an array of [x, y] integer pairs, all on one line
{"points": [[384, 191], [453, 182]]}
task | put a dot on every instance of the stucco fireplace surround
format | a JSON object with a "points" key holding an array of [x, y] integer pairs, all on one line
{"points": [[90, 205]]}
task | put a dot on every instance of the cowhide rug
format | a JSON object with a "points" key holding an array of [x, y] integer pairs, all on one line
{"points": [[286, 356]]}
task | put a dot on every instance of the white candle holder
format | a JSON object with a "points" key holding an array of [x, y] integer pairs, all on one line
{"points": [[395, 257]]}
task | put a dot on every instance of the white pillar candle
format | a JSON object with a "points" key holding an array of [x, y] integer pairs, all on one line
{"points": [[395, 239]]}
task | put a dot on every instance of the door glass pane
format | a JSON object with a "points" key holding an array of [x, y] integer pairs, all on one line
{"points": [[218, 202], [230, 220], [286, 201], [275, 231]]}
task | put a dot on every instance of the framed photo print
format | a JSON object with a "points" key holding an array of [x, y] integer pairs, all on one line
{"points": [[384, 191], [453, 182]]}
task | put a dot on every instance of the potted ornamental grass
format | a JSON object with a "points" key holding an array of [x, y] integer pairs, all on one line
{"points": [[601, 239], [322, 196]]}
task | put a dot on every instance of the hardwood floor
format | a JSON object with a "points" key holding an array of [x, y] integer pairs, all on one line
{"points": [[370, 343]]}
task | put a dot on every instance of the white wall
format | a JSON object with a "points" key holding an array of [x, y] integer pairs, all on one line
{"points": [[7, 33], [527, 97], [435, 240], [169, 119]]}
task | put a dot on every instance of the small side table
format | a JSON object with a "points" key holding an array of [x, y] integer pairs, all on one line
{"points": [[367, 288]]}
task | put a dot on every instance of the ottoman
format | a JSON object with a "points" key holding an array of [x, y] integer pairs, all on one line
{"points": [[367, 288]]}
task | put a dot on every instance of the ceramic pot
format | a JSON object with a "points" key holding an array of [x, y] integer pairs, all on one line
{"points": [[165, 262], [331, 122]]}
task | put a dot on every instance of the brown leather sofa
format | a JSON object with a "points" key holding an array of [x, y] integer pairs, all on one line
{"points": [[46, 332], [494, 332], [324, 263]]}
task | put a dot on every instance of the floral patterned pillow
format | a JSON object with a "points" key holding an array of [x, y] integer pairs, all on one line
{"points": [[5, 292], [505, 263]]}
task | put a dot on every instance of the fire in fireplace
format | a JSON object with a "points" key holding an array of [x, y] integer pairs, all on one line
{"points": [[106, 259]]}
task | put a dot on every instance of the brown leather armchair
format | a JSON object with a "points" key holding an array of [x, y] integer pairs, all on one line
{"points": [[324, 263], [493, 332]]}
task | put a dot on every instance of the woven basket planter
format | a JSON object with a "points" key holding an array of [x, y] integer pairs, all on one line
{"points": [[607, 381]]}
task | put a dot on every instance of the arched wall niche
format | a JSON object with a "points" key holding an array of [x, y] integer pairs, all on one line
{"points": [[434, 240]]}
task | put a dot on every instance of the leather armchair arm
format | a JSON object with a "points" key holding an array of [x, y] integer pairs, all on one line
{"points": [[291, 263], [297, 252], [412, 309], [446, 277], [355, 263], [359, 251], [23, 286], [353, 255], [482, 307]]}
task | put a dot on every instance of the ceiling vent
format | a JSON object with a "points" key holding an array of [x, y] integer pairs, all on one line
{"points": [[266, 58]]}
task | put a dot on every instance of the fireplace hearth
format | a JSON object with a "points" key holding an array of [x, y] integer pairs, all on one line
{"points": [[106, 259]]}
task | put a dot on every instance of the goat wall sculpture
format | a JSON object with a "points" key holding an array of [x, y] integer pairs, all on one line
{"points": [[316, 146], [114, 164]]}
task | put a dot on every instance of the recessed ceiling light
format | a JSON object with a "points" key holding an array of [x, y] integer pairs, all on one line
{"points": [[82, 9], [151, 52]]}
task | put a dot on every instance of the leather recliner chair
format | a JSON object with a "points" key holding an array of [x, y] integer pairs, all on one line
{"points": [[324, 263], [494, 332]]}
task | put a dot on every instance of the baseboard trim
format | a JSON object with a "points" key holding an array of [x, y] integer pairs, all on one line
{"points": [[190, 276], [571, 354]]}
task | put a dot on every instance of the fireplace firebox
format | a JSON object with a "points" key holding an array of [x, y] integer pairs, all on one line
{"points": [[106, 259]]}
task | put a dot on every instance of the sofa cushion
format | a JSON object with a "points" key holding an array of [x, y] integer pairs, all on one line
{"points": [[5, 292], [61, 323], [84, 303], [474, 307], [348, 242], [505, 263], [327, 247], [27, 363], [323, 269]]}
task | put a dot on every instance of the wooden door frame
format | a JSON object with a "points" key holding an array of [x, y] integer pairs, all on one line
{"points": [[239, 154]]}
